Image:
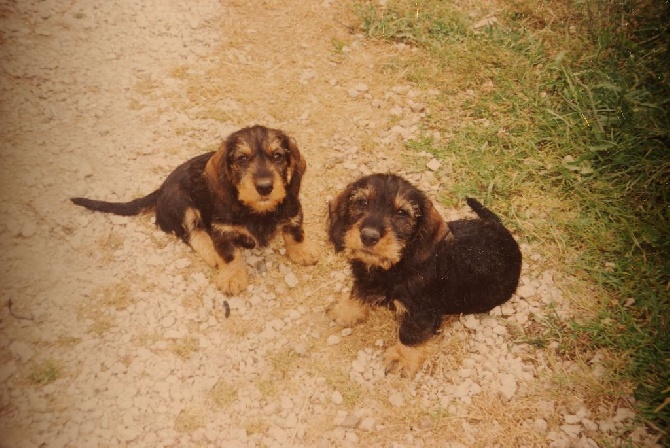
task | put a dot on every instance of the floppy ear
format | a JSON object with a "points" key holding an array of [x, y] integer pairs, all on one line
{"points": [[217, 172], [337, 219], [431, 230], [213, 167], [296, 169]]}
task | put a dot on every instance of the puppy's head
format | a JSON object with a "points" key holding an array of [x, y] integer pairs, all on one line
{"points": [[261, 165], [382, 219]]}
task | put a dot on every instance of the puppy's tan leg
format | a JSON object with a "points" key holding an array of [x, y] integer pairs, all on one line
{"points": [[199, 239], [202, 244], [233, 277], [405, 360], [348, 311], [305, 252]]}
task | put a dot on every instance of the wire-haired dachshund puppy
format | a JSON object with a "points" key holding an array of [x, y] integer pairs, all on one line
{"points": [[403, 255], [234, 198]]}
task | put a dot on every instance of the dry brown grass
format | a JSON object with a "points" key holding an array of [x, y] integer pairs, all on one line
{"points": [[189, 419]]}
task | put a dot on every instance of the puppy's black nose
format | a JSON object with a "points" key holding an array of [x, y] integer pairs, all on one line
{"points": [[264, 186], [370, 236]]}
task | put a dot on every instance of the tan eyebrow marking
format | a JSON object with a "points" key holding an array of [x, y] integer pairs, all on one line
{"points": [[361, 193], [410, 207], [242, 148]]}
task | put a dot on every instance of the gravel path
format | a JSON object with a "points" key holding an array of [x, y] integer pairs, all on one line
{"points": [[111, 332]]}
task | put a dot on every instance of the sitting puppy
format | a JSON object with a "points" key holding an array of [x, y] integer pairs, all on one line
{"points": [[404, 256], [234, 198]]}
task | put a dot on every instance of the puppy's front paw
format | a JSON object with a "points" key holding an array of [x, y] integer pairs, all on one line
{"points": [[348, 312], [305, 253], [232, 278], [404, 360]]}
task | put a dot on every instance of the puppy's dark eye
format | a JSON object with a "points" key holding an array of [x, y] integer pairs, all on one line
{"points": [[401, 212], [361, 202], [278, 157], [242, 160]]}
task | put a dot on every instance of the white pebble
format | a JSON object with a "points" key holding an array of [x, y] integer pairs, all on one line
{"points": [[182, 263], [291, 280], [470, 322], [434, 165], [336, 397], [367, 424], [525, 291], [507, 385], [396, 399]]}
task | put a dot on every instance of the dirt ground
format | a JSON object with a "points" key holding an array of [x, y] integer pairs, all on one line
{"points": [[112, 332]]}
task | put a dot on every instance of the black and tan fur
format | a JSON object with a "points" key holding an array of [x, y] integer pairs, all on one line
{"points": [[237, 197], [404, 256]]}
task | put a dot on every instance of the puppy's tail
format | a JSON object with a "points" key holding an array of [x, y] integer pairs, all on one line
{"points": [[483, 212], [133, 207]]}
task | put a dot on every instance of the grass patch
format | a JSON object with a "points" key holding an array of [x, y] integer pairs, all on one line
{"points": [[116, 296], [45, 373], [557, 115], [224, 393], [189, 420], [185, 347], [101, 326]]}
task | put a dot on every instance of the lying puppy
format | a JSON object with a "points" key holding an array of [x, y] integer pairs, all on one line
{"points": [[404, 256], [234, 198]]}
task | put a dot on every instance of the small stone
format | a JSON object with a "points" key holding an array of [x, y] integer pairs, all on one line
{"points": [[396, 111], [623, 414], [418, 107], [367, 424], [396, 399], [286, 403], [500, 330], [425, 422], [358, 365], [211, 435], [589, 425], [291, 280], [525, 291], [336, 397], [333, 340], [347, 331], [507, 385], [571, 430], [434, 165], [350, 421], [301, 349], [361, 87], [182, 263], [351, 437], [572, 419], [470, 322], [168, 321], [540, 425], [28, 230], [291, 421], [606, 426], [464, 373]]}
